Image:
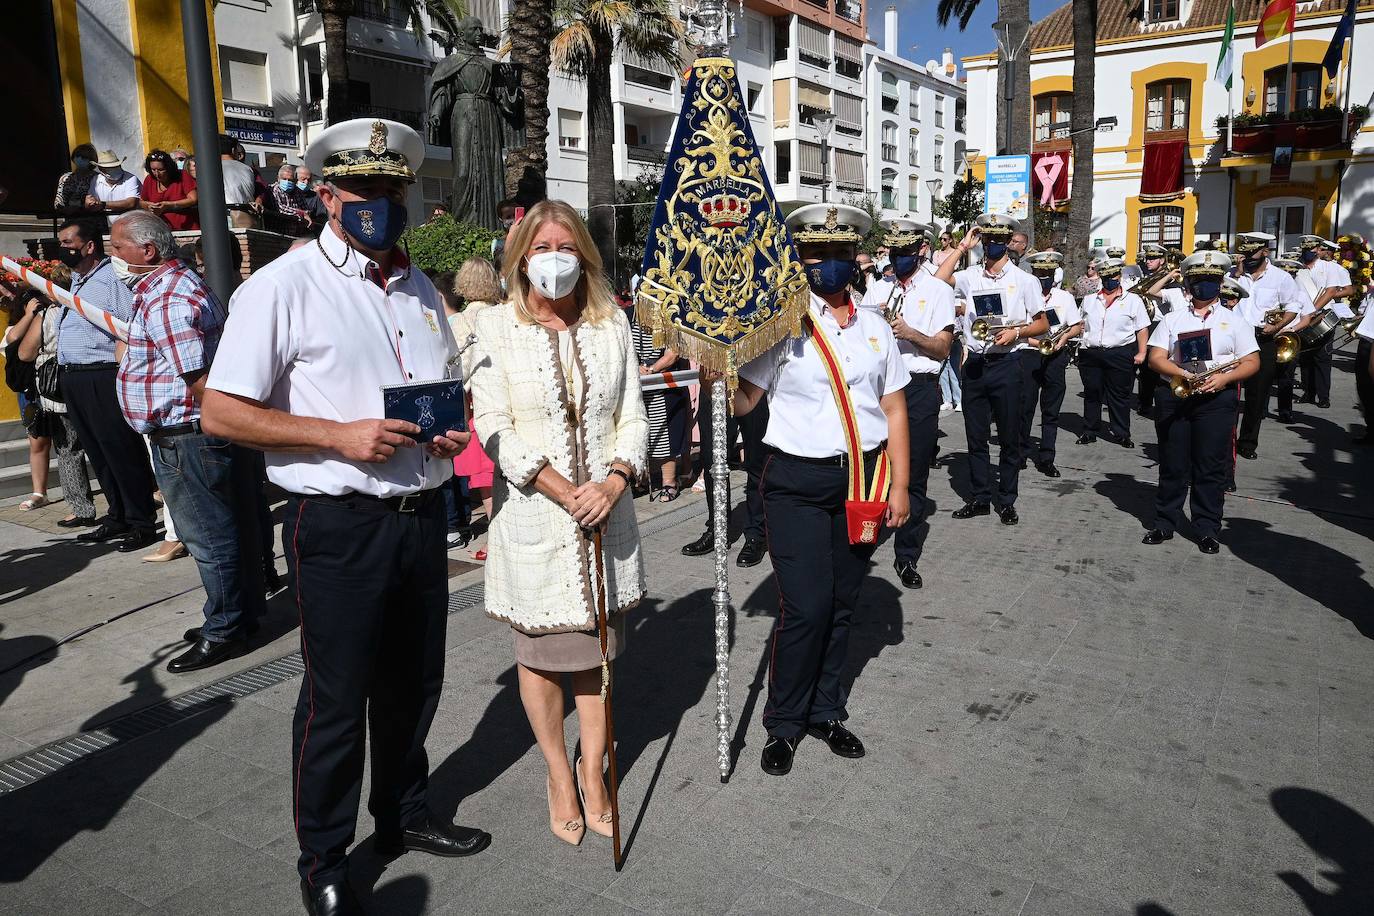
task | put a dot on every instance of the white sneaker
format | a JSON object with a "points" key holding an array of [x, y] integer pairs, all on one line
{"points": [[947, 406], [959, 408]]}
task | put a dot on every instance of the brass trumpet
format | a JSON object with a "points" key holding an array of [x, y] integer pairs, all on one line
{"points": [[1185, 387], [1050, 341], [982, 328], [1345, 331]]}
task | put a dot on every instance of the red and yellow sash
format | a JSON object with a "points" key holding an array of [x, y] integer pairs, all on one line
{"points": [[866, 501]]}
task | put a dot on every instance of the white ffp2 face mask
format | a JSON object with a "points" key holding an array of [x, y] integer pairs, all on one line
{"points": [[553, 273]]}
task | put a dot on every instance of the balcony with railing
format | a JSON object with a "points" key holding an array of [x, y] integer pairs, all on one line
{"points": [[849, 9], [393, 14], [415, 119], [1304, 130]]}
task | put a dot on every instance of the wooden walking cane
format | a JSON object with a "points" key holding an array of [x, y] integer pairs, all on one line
{"points": [[601, 626]]}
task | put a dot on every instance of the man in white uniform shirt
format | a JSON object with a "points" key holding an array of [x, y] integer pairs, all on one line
{"points": [[1005, 306], [920, 310], [1115, 329], [1330, 286], [1270, 289], [1212, 349], [1047, 385], [311, 340]]}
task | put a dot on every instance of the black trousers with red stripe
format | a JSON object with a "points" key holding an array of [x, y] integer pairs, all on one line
{"points": [[372, 589], [818, 574]]}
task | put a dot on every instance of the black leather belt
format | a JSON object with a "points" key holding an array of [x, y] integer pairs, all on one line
{"points": [[179, 429], [989, 356], [932, 378], [407, 503], [832, 461], [86, 367]]}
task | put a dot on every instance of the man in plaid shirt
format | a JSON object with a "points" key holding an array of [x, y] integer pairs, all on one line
{"points": [[209, 483]]}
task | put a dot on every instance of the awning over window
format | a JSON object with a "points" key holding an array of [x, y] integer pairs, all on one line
{"points": [[849, 49], [1163, 172], [814, 39], [849, 110], [809, 160], [813, 96], [849, 168]]}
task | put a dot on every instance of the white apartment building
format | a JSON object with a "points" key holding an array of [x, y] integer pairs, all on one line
{"points": [[916, 117]]}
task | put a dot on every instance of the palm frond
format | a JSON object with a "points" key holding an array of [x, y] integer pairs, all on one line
{"points": [[573, 49], [962, 10]]}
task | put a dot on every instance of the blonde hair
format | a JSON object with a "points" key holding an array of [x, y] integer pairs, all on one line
{"points": [[592, 293], [476, 281]]}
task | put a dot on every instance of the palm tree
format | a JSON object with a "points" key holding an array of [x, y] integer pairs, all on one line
{"points": [[1082, 126], [530, 32], [334, 18], [589, 31], [1015, 13]]}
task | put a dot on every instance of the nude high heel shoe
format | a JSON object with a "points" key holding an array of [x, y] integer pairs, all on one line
{"points": [[599, 824], [570, 832]]}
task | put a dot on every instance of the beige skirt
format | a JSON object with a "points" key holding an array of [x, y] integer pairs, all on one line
{"points": [[577, 651]]}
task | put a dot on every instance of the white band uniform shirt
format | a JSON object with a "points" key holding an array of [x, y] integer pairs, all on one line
{"points": [[1064, 307], [1328, 275], [926, 305], [313, 340], [1113, 325], [1365, 329], [1175, 298], [1269, 290], [1021, 302], [802, 417], [1231, 336]]}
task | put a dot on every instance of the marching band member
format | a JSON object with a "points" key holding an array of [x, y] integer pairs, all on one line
{"points": [[1004, 302], [920, 310], [1047, 377], [1168, 293], [1270, 291], [1115, 329], [1331, 287], [833, 392], [1211, 348]]}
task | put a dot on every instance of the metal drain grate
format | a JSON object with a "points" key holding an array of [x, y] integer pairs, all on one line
{"points": [[30, 767]]}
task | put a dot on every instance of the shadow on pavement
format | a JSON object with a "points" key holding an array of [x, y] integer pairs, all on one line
{"points": [[1340, 835], [39, 819], [20, 655], [26, 571], [1134, 497]]}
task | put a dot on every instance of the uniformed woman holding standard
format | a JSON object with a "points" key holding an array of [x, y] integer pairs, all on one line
{"points": [[1206, 350], [1115, 330], [556, 400], [820, 554]]}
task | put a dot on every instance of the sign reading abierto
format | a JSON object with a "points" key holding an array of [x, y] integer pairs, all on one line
{"points": [[1008, 191], [243, 109]]}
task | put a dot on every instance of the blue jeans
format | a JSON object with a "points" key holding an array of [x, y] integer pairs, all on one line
{"points": [[950, 392], [210, 487], [456, 504]]}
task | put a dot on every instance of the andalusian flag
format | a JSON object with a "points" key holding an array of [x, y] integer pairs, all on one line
{"points": [[1226, 61], [1276, 21]]}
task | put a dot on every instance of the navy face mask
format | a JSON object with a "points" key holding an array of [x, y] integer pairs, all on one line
{"points": [[994, 251], [1205, 290], [1111, 284], [374, 224], [1252, 264], [1308, 257], [831, 275], [904, 265], [1046, 284]]}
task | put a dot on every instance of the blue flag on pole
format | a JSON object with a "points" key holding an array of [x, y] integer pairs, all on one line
{"points": [[721, 281], [1331, 63]]}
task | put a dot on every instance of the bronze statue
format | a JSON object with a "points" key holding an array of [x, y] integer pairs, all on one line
{"points": [[475, 110]]}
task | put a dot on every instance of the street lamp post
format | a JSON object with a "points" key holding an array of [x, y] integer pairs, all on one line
{"points": [[1011, 40], [970, 157], [824, 122], [934, 184]]}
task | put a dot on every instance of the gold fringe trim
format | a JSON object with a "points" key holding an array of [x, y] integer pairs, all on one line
{"points": [[718, 356]]}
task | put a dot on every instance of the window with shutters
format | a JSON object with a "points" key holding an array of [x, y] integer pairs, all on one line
{"points": [[889, 145], [913, 194], [849, 56], [1162, 226], [569, 129], [1166, 109], [849, 114], [914, 104], [814, 44], [939, 110], [809, 162], [1052, 110], [1307, 82], [913, 150], [939, 154], [890, 97], [243, 76], [849, 170], [1163, 10], [889, 189]]}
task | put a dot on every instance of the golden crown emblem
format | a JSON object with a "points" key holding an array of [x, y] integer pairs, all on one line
{"points": [[725, 210], [377, 145]]}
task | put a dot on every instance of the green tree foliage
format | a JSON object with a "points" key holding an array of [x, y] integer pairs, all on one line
{"points": [[445, 243], [869, 204], [634, 216], [962, 205]]}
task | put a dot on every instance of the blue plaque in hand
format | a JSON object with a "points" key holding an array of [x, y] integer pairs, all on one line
{"points": [[435, 407]]}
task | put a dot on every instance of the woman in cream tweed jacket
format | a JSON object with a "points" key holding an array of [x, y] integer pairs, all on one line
{"points": [[556, 401]]}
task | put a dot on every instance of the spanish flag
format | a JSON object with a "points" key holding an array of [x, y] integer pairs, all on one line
{"points": [[1276, 21]]}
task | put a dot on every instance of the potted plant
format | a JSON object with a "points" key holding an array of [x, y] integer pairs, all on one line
{"points": [[1250, 134]]}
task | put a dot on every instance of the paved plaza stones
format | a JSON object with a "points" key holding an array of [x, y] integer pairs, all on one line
{"points": [[1062, 721]]}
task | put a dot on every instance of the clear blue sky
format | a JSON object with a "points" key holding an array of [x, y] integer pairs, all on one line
{"points": [[917, 25]]}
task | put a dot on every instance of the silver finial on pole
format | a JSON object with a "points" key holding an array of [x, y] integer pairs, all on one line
{"points": [[712, 25]]}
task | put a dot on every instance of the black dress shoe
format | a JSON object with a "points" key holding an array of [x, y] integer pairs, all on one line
{"points": [[701, 546], [909, 576], [1247, 453], [205, 654], [136, 539], [1008, 515], [1155, 536], [751, 554], [969, 510], [1021, 465], [1285, 416], [330, 900], [1125, 443], [1231, 487], [437, 839], [1324, 405], [841, 740], [1047, 468], [77, 522], [777, 755], [107, 531], [1209, 545], [1086, 439]]}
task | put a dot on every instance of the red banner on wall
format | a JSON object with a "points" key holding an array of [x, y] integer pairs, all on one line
{"points": [[1059, 189], [1163, 172]]}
